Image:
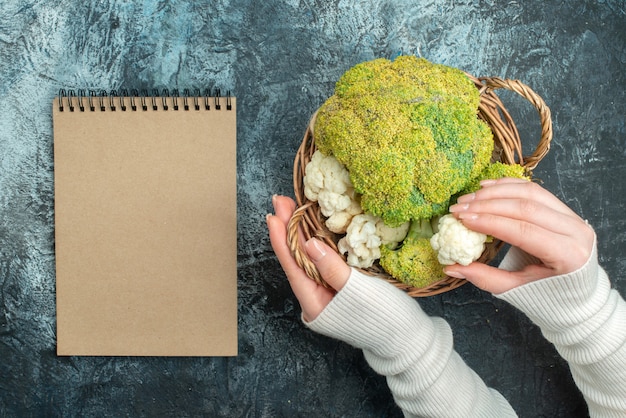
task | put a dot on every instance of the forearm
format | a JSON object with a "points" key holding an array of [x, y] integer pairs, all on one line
{"points": [[437, 383], [415, 352], [586, 321]]}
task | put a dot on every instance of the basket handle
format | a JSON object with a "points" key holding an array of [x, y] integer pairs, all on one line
{"points": [[305, 221], [493, 83], [295, 241]]}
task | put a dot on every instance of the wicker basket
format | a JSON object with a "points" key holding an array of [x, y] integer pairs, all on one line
{"points": [[307, 221]]}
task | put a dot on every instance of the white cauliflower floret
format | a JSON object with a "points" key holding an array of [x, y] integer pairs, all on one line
{"points": [[391, 236], [361, 244], [327, 182], [338, 222], [455, 243], [364, 236]]}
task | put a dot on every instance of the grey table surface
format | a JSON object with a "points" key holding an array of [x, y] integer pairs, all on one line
{"points": [[281, 59]]}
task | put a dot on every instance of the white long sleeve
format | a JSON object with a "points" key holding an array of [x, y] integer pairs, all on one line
{"points": [[578, 312], [585, 319], [414, 351]]}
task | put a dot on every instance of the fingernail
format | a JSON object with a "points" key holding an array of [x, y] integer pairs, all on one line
{"points": [[466, 198], [459, 207], [315, 250], [468, 216], [454, 274], [487, 183]]}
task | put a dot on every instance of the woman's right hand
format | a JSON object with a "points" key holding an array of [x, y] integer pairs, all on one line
{"points": [[531, 218]]}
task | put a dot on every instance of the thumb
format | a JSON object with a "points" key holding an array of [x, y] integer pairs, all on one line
{"points": [[485, 277], [331, 266]]}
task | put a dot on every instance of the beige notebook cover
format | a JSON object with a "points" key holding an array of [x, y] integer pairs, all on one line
{"points": [[145, 214]]}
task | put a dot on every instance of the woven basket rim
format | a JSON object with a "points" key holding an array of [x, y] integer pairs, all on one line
{"points": [[307, 220]]}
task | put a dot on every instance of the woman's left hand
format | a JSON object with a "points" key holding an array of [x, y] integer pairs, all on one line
{"points": [[312, 296]]}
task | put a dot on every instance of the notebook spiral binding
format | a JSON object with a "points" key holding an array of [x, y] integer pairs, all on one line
{"points": [[93, 100]]}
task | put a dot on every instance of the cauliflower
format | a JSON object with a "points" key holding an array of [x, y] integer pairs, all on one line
{"points": [[327, 182], [391, 236], [455, 243], [338, 222], [407, 132], [364, 236], [399, 141]]}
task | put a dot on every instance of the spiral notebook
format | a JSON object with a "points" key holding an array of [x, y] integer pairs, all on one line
{"points": [[145, 224]]}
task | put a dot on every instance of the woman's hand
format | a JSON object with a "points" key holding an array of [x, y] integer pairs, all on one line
{"points": [[529, 217], [313, 297]]}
